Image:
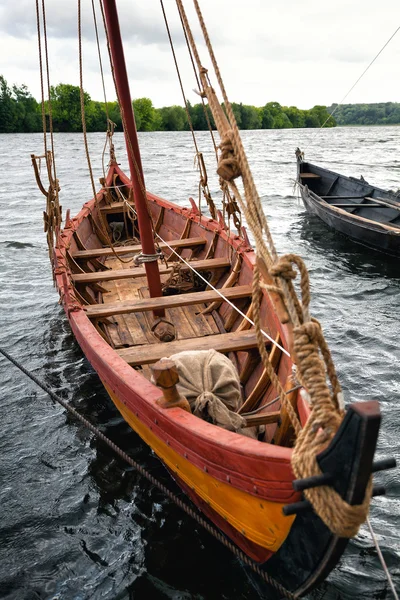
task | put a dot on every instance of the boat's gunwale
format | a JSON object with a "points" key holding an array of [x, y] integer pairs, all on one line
{"points": [[362, 222], [235, 448]]}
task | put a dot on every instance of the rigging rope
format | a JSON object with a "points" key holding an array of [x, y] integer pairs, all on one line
{"points": [[218, 291], [110, 124], [52, 215], [185, 507], [315, 368], [381, 558], [102, 228], [203, 183], [361, 76]]}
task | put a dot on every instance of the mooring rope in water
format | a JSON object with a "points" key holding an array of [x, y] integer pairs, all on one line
{"points": [[381, 558], [187, 509]]}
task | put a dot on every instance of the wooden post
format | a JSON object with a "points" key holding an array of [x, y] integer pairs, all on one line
{"points": [[285, 435], [166, 377]]}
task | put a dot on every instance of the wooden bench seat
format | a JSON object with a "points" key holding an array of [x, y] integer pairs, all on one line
{"points": [[200, 265], [224, 342], [116, 207], [100, 252], [309, 176], [96, 311]]}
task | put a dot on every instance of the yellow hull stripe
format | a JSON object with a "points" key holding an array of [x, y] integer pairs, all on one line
{"points": [[261, 521]]}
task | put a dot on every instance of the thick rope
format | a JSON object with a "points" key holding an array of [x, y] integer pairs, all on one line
{"points": [[203, 182], [155, 482], [311, 354]]}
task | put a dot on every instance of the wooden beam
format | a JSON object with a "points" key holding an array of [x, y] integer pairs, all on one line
{"points": [[309, 176], [342, 197], [224, 342], [200, 265], [146, 304], [260, 387], [96, 252], [116, 207], [383, 203], [359, 205], [263, 418]]}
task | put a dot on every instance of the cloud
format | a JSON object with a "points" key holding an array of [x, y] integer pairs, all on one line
{"points": [[295, 53]]}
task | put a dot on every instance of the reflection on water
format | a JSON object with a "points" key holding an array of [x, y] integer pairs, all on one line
{"points": [[76, 522], [353, 257]]}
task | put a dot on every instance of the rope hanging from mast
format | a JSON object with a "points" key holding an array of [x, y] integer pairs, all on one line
{"points": [[53, 214], [314, 365], [110, 125]]}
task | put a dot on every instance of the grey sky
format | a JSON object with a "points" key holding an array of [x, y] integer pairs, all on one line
{"points": [[295, 53]]}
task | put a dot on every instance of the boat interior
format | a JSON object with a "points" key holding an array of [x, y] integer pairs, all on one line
{"points": [[354, 196], [114, 292]]}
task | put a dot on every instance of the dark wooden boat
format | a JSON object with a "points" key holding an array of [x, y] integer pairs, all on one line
{"points": [[241, 483], [365, 213]]}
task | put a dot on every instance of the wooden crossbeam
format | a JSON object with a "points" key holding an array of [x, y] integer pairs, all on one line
{"points": [[225, 342], [263, 418], [384, 203], [200, 265], [260, 387], [357, 205], [116, 207], [96, 311], [98, 252], [310, 176], [342, 197]]}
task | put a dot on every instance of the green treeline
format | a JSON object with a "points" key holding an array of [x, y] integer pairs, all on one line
{"points": [[20, 112], [384, 113]]}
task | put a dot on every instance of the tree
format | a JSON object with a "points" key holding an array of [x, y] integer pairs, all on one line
{"points": [[279, 119], [296, 116], [66, 107], [96, 116], [237, 111], [173, 118], [146, 116], [8, 108], [267, 120], [28, 111], [251, 117], [322, 115]]}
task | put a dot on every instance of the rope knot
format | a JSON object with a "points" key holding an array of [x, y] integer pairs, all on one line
{"points": [[228, 165], [307, 333], [283, 268]]}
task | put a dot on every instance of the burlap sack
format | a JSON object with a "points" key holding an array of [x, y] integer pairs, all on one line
{"points": [[211, 384]]}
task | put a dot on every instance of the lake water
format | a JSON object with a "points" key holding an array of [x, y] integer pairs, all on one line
{"points": [[75, 522]]}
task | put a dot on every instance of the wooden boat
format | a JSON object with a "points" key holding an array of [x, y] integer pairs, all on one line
{"points": [[365, 213], [244, 485]]}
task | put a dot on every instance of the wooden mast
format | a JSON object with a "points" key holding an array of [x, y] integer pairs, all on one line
{"points": [[135, 163]]}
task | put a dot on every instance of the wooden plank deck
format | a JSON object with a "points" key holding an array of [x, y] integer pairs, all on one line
{"points": [[112, 275], [100, 252], [148, 304], [224, 342]]}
